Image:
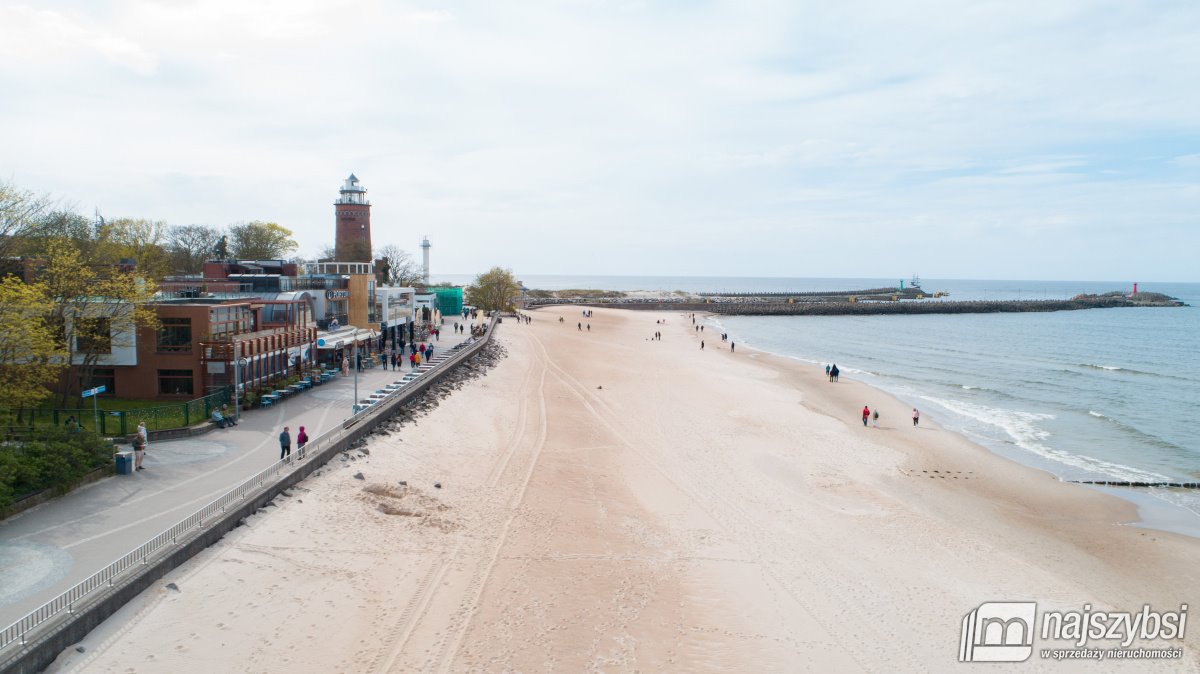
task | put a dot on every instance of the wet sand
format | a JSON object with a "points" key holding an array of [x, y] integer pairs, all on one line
{"points": [[612, 503]]}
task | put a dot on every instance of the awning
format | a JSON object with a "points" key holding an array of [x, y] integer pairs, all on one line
{"points": [[343, 337]]}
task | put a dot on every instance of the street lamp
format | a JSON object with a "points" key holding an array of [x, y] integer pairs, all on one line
{"points": [[238, 361], [354, 407]]}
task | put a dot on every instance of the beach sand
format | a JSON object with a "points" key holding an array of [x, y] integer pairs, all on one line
{"points": [[612, 503]]}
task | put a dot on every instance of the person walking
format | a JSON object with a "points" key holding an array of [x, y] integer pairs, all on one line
{"points": [[579, 326], [429, 353], [345, 366], [702, 345], [412, 361], [826, 369], [589, 327], [141, 440], [833, 373], [732, 347], [916, 417], [875, 418], [866, 415], [285, 444], [301, 441]]}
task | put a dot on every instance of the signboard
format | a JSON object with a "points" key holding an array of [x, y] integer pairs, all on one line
{"points": [[92, 391], [337, 294]]}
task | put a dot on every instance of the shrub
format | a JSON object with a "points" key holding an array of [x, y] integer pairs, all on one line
{"points": [[55, 459]]}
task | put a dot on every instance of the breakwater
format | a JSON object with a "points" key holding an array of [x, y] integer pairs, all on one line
{"points": [[863, 303]]}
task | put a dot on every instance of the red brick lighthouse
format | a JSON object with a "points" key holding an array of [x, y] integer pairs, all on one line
{"points": [[353, 242]]}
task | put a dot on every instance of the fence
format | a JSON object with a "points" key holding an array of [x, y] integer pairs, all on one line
{"points": [[318, 450], [118, 422]]}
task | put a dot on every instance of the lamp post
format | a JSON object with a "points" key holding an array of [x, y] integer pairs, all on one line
{"points": [[237, 385], [354, 407]]}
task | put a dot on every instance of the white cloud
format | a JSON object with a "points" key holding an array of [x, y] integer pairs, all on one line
{"points": [[554, 136]]}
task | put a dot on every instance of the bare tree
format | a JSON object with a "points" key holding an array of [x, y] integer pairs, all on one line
{"points": [[20, 210], [402, 270], [190, 246]]}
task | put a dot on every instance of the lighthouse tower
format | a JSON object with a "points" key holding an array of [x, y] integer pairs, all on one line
{"points": [[425, 258], [353, 239]]}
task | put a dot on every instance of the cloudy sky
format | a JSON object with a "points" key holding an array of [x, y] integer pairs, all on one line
{"points": [[1012, 139]]}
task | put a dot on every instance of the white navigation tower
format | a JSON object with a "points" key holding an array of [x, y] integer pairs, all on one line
{"points": [[425, 258]]}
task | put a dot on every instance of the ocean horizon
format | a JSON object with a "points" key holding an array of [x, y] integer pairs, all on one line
{"points": [[1098, 394]]}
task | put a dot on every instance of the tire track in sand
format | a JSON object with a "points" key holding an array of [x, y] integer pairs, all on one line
{"points": [[730, 515]]}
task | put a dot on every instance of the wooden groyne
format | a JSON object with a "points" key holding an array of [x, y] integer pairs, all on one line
{"points": [[1122, 483]]}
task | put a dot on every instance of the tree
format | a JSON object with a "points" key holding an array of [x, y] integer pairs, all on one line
{"points": [[328, 253], [30, 357], [494, 290], [137, 239], [93, 310], [19, 211], [402, 270], [260, 241], [222, 250], [190, 246]]}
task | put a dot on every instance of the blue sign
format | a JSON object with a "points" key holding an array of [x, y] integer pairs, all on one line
{"points": [[321, 342], [92, 391]]}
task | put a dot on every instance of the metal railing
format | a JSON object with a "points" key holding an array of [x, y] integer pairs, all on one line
{"points": [[139, 557]]}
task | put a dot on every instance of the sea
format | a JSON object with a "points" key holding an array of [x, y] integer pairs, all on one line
{"points": [[1098, 394]]}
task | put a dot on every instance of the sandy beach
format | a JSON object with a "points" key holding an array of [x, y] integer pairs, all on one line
{"points": [[614, 503]]}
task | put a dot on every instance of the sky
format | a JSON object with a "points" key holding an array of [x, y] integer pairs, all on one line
{"points": [[1010, 140]]}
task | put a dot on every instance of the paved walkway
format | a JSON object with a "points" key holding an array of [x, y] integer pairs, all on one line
{"points": [[48, 549]]}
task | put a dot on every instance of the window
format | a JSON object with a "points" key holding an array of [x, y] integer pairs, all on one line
{"points": [[102, 376], [175, 335], [93, 335], [226, 321], [175, 382]]}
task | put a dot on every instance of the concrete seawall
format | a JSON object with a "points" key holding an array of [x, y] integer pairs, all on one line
{"points": [[749, 308], [47, 641]]}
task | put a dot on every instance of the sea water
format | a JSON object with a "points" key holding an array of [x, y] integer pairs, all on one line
{"points": [[1099, 394]]}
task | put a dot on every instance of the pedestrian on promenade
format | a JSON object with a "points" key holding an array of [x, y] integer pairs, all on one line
{"points": [[916, 417], [345, 366], [358, 361], [827, 370], [579, 326], [301, 441], [429, 353], [866, 415], [285, 444], [834, 372], [732, 347], [875, 418], [589, 327], [702, 345], [141, 440], [412, 361]]}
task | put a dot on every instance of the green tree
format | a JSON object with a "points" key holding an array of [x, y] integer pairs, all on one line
{"points": [[260, 241], [30, 357], [94, 310], [137, 239], [222, 251], [494, 290]]}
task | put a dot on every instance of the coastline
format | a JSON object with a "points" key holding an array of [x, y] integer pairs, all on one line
{"points": [[611, 502], [1151, 512]]}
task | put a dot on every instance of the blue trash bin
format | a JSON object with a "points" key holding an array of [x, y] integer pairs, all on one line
{"points": [[124, 463]]}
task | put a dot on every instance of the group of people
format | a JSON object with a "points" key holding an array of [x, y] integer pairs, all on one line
{"points": [[873, 415], [222, 418], [285, 444]]}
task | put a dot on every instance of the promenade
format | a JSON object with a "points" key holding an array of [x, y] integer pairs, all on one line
{"points": [[48, 549]]}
